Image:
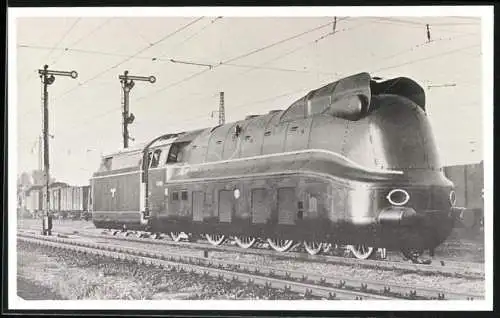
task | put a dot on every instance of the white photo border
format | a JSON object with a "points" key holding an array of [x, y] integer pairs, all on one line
{"points": [[484, 12]]}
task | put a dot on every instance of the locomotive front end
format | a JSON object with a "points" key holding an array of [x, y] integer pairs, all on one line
{"points": [[417, 208]]}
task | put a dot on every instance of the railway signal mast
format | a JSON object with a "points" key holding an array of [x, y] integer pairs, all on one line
{"points": [[128, 83], [48, 77]]}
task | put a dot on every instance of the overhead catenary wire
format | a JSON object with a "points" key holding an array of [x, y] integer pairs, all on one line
{"points": [[375, 70], [114, 66], [238, 57], [135, 31], [94, 30], [207, 64], [184, 41], [418, 46], [426, 58], [65, 34], [234, 63], [419, 25], [192, 36]]}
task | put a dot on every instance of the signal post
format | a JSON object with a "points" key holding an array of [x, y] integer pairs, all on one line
{"points": [[48, 77], [128, 83]]}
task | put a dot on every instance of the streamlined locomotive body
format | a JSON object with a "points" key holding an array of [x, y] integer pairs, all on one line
{"points": [[353, 162]]}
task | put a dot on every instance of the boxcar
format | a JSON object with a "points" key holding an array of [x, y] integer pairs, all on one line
{"points": [[79, 205], [34, 201]]}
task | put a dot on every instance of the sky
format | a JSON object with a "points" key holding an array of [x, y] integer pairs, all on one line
{"points": [[261, 64]]}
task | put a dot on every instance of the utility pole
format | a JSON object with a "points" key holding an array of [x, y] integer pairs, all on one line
{"points": [[40, 152], [48, 77], [128, 83], [221, 111], [222, 115]]}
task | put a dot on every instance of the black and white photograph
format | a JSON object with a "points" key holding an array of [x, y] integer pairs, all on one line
{"points": [[315, 158]]}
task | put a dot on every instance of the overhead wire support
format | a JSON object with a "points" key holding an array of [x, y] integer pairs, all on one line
{"points": [[128, 83], [191, 63], [48, 77]]}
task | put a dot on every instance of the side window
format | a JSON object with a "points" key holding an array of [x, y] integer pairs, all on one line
{"points": [[175, 154], [175, 196], [184, 195], [156, 158]]}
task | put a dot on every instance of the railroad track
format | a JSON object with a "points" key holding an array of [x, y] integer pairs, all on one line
{"points": [[455, 269], [307, 284]]}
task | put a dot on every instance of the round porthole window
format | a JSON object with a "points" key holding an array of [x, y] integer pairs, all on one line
{"points": [[236, 193]]}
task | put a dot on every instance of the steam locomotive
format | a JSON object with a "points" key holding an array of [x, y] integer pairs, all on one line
{"points": [[353, 163]]}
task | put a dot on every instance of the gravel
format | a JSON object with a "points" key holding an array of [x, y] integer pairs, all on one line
{"points": [[349, 271], [54, 274]]}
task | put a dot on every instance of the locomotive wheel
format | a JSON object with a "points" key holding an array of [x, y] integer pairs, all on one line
{"points": [[215, 239], [361, 251], [245, 241], [280, 245], [313, 248], [176, 236], [327, 247]]}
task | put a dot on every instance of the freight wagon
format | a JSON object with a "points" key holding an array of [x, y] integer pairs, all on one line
{"points": [[64, 200], [74, 201], [469, 185], [34, 200]]}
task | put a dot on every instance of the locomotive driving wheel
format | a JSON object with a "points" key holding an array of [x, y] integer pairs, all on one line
{"points": [[216, 239], [176, 236], [313, 248], [245, 241], [361, 251], [280, 245], [327, 247]]}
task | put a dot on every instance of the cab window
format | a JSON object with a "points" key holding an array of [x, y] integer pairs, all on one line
{"points": [[155, 159], [174, 155]]}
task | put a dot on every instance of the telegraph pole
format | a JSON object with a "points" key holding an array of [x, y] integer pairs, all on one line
{"points": [[48, 77], [222, 115], [40, 152], [128, 83], [221, 111]]}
